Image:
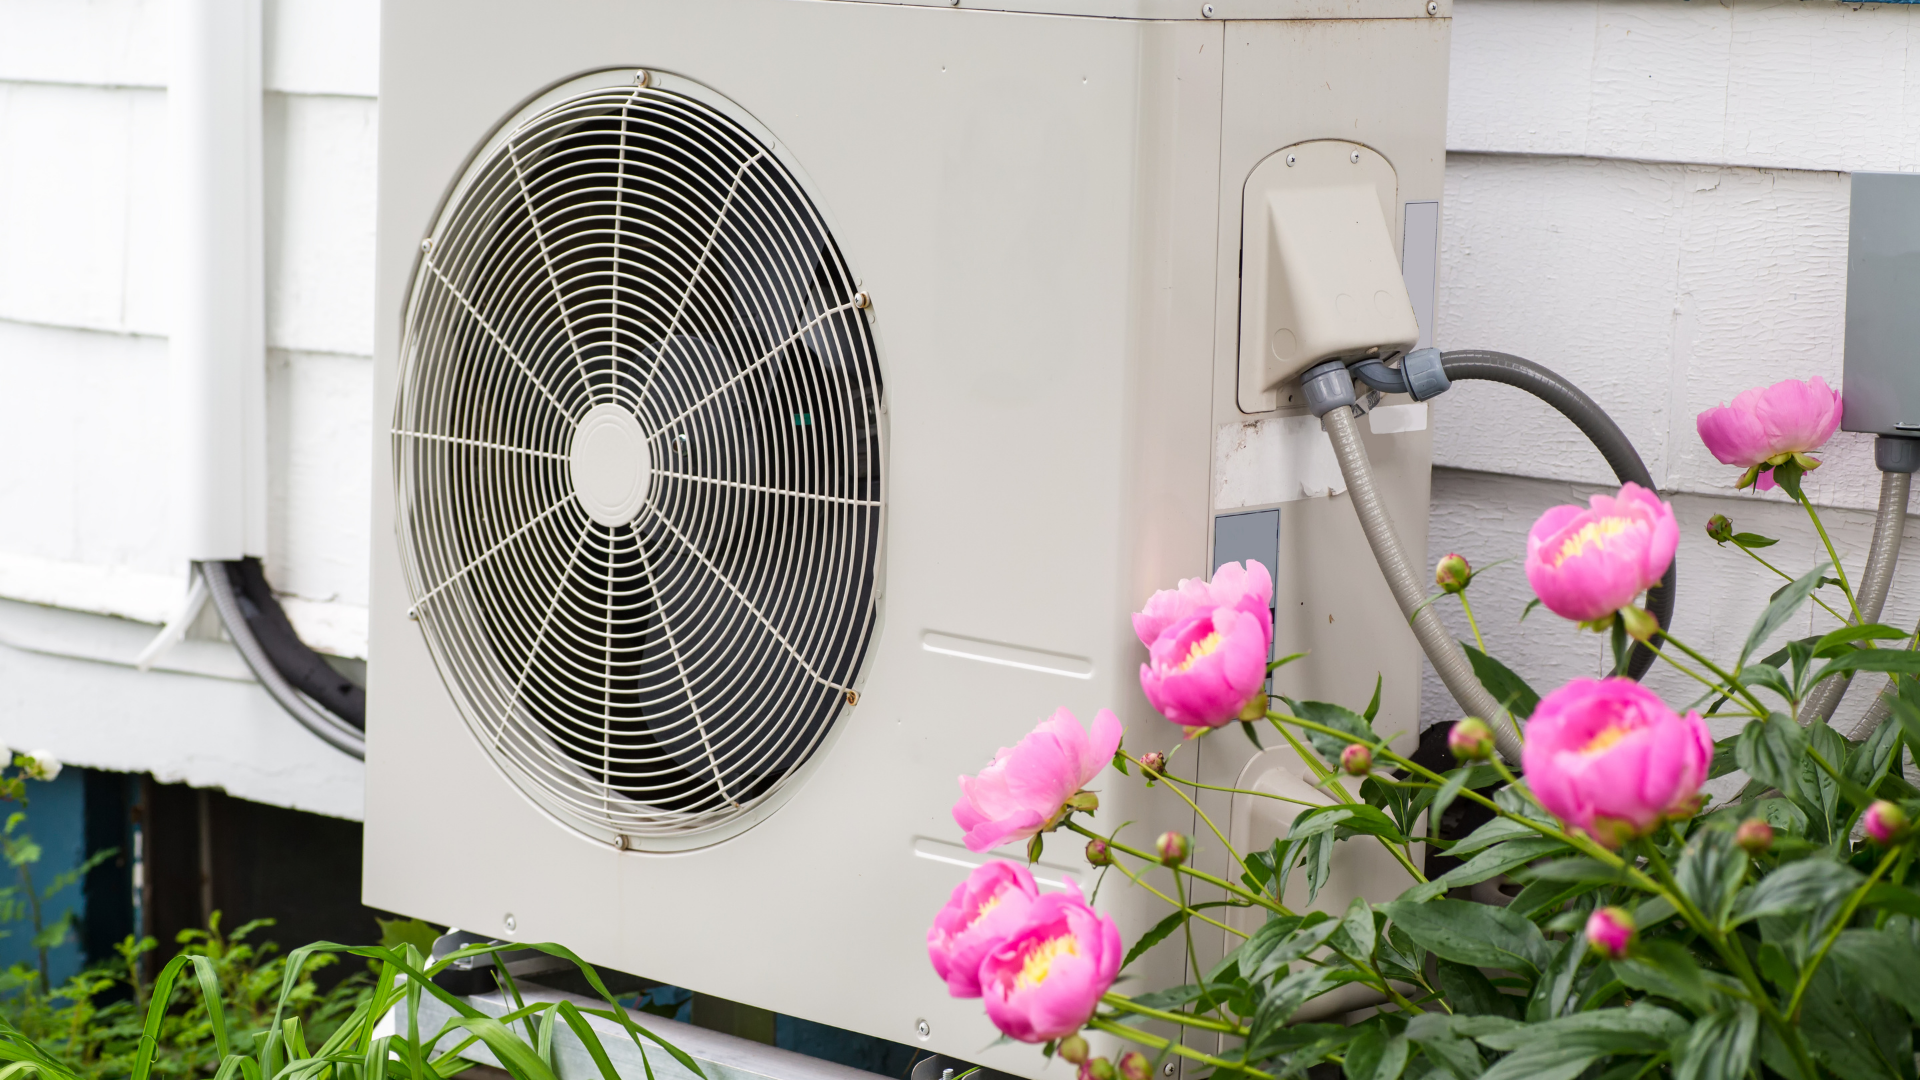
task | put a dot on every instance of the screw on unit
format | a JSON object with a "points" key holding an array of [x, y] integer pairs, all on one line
{"points": [[925, 1029], [1354, 157], [643, 78], [862, 300], [1168, 1069], [1290, 160], [853, 697], [413, 613], [1206, 11], [427, 244], [620, 842], [510, 923], [1433, 7]]}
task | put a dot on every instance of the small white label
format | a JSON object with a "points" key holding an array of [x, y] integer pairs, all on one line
{"points": [[1394, 419], [1282, 459]]}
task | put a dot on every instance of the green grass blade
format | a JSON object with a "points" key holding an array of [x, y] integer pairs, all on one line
{"points": [[619, 1014], [590, 1038], [513, 1052], [211, 993], [374, 1063], [156, 1012]]}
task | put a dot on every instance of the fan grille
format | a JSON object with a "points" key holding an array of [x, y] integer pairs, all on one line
{"points": [[638, 462]]}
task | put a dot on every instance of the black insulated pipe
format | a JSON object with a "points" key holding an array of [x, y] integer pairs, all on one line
{"points": [[1600, 430], [324, 701]]}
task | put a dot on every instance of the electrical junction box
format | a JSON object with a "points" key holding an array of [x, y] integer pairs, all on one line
{"points": [[1881, 385], [782, 404]]}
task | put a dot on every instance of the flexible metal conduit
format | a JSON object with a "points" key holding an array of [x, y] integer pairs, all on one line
{"points": [[1596, 425], [1449, 660], [1882, 556], [229, 600]]}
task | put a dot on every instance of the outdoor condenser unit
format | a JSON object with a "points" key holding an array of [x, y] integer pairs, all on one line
{"points": [[783, 403]]}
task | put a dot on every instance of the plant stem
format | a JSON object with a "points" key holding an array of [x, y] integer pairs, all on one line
{"points": [[1839, 923], [1696, 676], [1186, 926], [1331, 784], [1731, 683], [1126, 1004], [1218, 835], [1210, 879], [1820, 528], [1230, 790], [1468, 608], [1789, 577], [1155, 1042]]}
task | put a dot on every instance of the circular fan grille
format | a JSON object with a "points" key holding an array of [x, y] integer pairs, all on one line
{"points": [[638, 462]]}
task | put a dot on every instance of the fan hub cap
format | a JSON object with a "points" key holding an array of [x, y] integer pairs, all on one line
{"points": [[610, 464]]}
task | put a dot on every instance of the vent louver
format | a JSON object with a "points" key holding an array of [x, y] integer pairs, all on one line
{"points": [[638, 461]]}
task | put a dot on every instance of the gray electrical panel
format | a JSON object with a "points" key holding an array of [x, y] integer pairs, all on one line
{"points": [[1881, 390]]}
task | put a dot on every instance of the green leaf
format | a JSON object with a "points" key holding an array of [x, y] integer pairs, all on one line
{"points": [[1768, 677], [1311, 934], [1369, 821], [1781, 610], [1772, 751], [1710, 872], [1797, 886], [1375, 1055], [1563, 1049], [1528, 610], [1868, 763], [1373, 707], [1510, 690], [1665, 969], [1883, 961], [1894, 660], [1577, 869], [1854, 1032], [1337, 717], [1753, 540], [1468, 992], [1490, 863], [1356, 935], [1154, 937], [1835, 642], [1899, 899], [1719, 1047], [1499, 830], [1475, 934]]}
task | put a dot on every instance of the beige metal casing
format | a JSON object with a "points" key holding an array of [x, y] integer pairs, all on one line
{"points": [[1046, 210]]}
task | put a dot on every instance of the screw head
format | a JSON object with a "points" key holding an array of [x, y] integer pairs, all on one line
{"points": [[1433, 7], [413, 613], [427, 244], [643, 78], [1206, 11], [1291, 159], [925, 1029], [1167, 1068], [853, 697], [1354, 157], [510, 922], [620, 842], [862, 300]]}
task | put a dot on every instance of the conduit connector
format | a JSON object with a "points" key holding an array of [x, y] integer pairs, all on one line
{"points": [[1327, 386]]}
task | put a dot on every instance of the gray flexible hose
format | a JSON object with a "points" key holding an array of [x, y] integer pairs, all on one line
{"points": [[335, 733], [1445, 653], [1874, 582]]}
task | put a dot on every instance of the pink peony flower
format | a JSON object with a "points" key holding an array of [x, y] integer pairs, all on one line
{"points": [[1027, 785], [1045, 979], [1765, 427], [1610, 932], [982, 911], [1588, 564], [1202, 672], [1608, 756], [1241, 586]]}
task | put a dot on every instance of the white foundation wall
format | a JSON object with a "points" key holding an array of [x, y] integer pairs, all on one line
{"points": [[87, 561], [1652, 198]]}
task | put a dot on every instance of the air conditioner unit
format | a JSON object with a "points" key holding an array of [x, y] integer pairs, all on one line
{"points": [[783, 403]]}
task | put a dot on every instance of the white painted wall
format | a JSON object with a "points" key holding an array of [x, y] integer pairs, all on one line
{"points": [[1649, 195]]}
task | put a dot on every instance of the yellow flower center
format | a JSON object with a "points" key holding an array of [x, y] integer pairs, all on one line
{"points": [[1593, 533], [1201, 648], [991, 903], [1605, 739], [1040, 960]]}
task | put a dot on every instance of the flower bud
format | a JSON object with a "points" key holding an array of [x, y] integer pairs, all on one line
{"points": [[40, 765], [1073, 1048], [1719, 529], [1452, 574], [1098, 1069], [1098, 854], [1133, 1065], [1754, 836], [1610, 932], [1356, 760], [1172, 848], [1886, 822], [1471, 739], [1639, 622], [1153, 763]]}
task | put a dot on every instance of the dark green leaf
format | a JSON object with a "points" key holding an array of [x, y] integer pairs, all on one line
{"points": [[1375, 1055], [1753, 540], [1499, 830], [1853, 1031], [1469, 992], [1369, 821], [1475, 934], [1312, 934], [1337, 717], [1770, 678], [1798, 886], [1867, 764], [1665, 969], [1562, 1049], [1154, 936], [1373, 707], [1490, 863], [1510, 690], [1551, 993], [1528, 610], [1895, 898], [1547, 896], [1895, 660], [1252, 733], [1772, 751], [1356, 935], [1720, 1046], [1577, 869], [1710, 872], [1781, 610], [1835, 642], [1885, 961]]}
